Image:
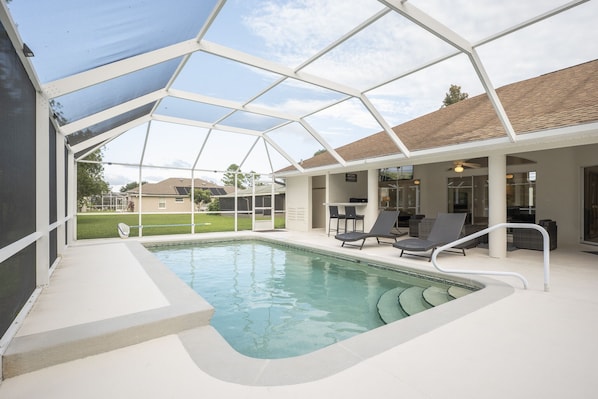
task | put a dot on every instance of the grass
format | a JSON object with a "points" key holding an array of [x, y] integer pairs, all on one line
{"points": [[104, 225]]}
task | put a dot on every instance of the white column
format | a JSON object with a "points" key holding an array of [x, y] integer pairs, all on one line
{"points": [[497, 204], [371, 210], [72, 198], [42, 185], [60, 192]]}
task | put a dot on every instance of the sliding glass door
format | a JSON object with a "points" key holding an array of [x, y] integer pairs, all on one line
{"points": [[590, 204]]}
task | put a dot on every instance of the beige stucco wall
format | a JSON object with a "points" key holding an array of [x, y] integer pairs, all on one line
{"points": [[558, 185]]}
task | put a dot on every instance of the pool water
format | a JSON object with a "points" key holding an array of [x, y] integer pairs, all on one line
{"points": [[273, 301]]}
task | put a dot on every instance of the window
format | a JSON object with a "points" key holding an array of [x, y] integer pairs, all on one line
{"points": [[179, 199], [162, 203], [469, 194], [398, 191]]}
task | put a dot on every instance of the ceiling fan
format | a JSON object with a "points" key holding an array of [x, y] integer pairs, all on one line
{"points": [[459, 166]]}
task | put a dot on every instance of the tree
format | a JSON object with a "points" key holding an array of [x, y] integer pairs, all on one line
{"points": [[244, 180], [90, 178], [201, 196], [130, 186], [454, 96]]}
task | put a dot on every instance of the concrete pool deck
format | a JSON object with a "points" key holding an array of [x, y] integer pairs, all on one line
{"points": [[527, 344]]}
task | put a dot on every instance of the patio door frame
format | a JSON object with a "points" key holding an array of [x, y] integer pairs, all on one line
{"points": [[589, 206]]}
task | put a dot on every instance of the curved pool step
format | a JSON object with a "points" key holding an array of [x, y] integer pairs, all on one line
{"points": [[388, 306], [412, 300], [458, 292], [436, 296]]}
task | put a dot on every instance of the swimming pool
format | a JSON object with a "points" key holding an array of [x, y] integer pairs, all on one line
{"points": [[275, 301]]}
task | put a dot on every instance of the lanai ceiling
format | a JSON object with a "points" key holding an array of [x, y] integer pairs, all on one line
{"points": [[199, 85]]}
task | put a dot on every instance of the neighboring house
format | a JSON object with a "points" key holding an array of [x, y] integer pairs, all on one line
{"points": [[171, 195], [461, 159], [263, 199]]}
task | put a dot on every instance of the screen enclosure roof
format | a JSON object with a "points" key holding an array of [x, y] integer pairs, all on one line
{"points": [[200, 85]]}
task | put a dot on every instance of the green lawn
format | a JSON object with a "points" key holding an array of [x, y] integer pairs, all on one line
{"points": [[104, 225]]}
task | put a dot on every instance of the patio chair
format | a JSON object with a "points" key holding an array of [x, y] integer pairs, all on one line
{"points": [[351, 214], [333, 210], [381, 229], [446, 228]]}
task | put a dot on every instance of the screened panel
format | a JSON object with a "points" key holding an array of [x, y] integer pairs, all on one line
{"points": [[277, 30], [515, 57], [128, 147], [264, 158], [344, 123], [296, 141], [173, 147], [17, 282], [423, 92], [488, 17], [248, 120], [298, 98], [234, 81], [364, 60], [109, 124], [53, 253], [102, 96], [192, 110], [234, 146], [17, 151], [97, 33]]}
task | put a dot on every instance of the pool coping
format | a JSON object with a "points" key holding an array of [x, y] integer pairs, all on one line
{"points": [[185, 310], [212, 354]]}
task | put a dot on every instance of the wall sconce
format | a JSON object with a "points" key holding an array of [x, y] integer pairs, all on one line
{"points": [[459, 168], [27, 52], [509, 175], [417, 182]]}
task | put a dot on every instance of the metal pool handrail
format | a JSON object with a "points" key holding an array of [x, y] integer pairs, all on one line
{"points": [[546, 246]]}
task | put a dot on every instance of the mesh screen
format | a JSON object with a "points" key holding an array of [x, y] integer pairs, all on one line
{"points": [[17, 181], [17, 282], [17, 152]]}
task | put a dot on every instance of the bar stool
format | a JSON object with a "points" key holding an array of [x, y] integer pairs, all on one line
{"points": [[351, 214], [333, 210]]}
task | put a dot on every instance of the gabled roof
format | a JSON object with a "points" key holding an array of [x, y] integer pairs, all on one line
{"points": [[180, 187], [265, 189], [567, 97]]}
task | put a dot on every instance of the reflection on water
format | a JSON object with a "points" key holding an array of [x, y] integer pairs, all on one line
{"points": [[274, 301]]}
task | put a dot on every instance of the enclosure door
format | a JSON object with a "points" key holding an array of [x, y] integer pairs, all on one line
{"points": [[590, 207]]}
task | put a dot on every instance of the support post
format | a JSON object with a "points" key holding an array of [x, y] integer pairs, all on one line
{"points": [[42, 190], [497, 204]]}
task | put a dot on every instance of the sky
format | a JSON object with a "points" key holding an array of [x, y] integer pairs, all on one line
{"points": [[289, 33]]}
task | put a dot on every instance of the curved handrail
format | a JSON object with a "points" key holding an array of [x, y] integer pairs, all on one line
{"points": [[546, 246]]}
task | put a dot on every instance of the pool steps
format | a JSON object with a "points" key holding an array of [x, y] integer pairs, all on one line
{"points": [[401, 302]]}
